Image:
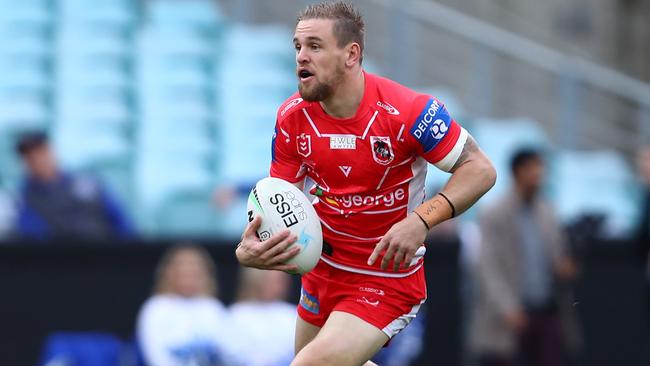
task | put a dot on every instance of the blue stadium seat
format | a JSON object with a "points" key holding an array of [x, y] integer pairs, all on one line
{"points": [[190, 14], [188, 213], [269, 40], [450, 100], [82, 348], [169, 42], [595, 182], [100, 143], [110, 12], [23, 113]]}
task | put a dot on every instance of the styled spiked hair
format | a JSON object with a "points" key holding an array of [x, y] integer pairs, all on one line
{"points": [[348, 22]]}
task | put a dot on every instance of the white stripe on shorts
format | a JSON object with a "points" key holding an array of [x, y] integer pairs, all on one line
{"points": [[400, 323]]}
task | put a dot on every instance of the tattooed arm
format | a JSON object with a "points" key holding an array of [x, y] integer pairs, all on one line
{"points": [[472, 176]]}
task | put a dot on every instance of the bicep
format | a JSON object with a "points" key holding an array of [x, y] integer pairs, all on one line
{"points": [[470, 151]]}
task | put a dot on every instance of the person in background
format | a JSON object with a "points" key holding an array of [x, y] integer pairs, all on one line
{"points": [[643, 232], [54, 203], [263, 321], [7, 213], [184, 323], [523, 313]]}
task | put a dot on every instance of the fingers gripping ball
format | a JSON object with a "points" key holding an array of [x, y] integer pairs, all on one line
{"points": [[281, 205]]}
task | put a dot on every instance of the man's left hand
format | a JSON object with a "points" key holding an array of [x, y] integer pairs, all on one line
{"points": [[401, 242]]}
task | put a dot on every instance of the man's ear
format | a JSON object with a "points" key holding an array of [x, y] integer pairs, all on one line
{"points": [[353, 53]]}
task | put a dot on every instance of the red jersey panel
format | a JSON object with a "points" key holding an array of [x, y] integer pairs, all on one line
{"points": [[369, 170]]}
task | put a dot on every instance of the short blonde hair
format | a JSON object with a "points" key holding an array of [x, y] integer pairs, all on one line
{"points": [[348, 22]]}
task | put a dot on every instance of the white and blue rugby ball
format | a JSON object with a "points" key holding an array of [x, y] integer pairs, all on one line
{"points": [[281, 205]]}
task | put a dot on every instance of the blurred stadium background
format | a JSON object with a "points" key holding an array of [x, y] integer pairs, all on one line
{"points": [[172, 103]]}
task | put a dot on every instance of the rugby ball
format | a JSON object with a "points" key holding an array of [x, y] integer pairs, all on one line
{"points": [[281, 205]]}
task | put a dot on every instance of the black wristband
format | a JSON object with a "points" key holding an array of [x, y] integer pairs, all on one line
{"points": [[453, 209], [423, 221]]}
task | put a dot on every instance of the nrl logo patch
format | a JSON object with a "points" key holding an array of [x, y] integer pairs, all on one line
{"points": [[304, 144]]}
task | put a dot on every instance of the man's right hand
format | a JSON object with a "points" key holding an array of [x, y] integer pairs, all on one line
{"points": [[267, 254]]}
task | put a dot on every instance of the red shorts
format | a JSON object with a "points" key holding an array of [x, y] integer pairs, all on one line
{"points": [[387, 303]]}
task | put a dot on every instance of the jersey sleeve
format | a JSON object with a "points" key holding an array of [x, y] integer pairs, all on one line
{"points": [[285, 162], [436, 136]]}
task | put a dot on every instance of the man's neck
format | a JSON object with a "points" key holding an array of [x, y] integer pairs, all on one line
{"points": [[347, 97]]}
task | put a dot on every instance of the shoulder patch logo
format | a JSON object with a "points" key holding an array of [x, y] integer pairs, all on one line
{"points": [[382, 150], [389, 108], [431, 125], [292, 103]]}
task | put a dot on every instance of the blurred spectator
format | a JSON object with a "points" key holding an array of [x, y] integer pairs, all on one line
{"points": [[643, 162], [184, 323], [58, 204], [263, 323], [524, 313], [7, 214], [643, 235]]}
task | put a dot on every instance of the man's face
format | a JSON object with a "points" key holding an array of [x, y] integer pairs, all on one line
{"points": [[320, 62], [40, 162], [530, 176]]}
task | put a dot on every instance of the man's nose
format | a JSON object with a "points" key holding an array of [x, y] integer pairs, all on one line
{"points": [[302, 57]]}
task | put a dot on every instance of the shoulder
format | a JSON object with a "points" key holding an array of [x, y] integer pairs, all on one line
{"points": [[289, 107], [396, 100]]}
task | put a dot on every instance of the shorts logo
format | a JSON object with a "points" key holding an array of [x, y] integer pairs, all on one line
{"points": [[309, 302], [372, 301], [432, 125], [382, 150], [372, 290], [304, 144]]}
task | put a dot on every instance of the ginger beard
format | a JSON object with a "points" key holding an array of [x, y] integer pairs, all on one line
{"points": [[319, 91]]}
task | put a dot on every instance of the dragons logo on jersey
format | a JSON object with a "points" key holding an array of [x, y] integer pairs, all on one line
{"points": [[304, 144], [382, 150]]}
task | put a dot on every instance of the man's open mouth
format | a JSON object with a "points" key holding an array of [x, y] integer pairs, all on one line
{"points": [[305, 74]]}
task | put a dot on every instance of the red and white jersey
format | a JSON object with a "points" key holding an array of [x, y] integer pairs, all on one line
{"points": [[369, 170]]}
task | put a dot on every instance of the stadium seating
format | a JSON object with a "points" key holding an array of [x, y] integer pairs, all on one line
{"points": [[597, 183], [88, 348], [167, 99]]}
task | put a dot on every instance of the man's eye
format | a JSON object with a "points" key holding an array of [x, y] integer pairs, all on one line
{"points": [[315, 47], [297, 47]]}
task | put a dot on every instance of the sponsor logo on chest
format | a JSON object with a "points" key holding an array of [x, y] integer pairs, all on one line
{"points": [[343, 142]]}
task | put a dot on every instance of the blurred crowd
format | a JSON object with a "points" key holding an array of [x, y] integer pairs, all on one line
{"points": [[518, 273], [185, 323]]}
